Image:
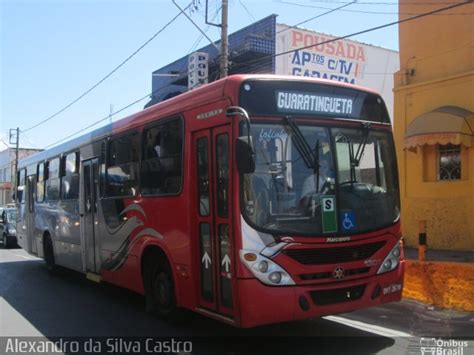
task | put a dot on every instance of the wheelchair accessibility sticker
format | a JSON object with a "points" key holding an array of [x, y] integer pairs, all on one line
{"points": [[348, 220]]}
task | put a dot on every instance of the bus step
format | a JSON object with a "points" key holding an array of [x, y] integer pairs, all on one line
{"points": [[94, 277]]}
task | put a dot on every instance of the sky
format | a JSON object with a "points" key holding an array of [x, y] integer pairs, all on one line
{"points": [[53, 51]]}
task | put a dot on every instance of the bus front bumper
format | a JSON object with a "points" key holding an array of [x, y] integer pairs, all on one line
{"points": [[261, 304]]}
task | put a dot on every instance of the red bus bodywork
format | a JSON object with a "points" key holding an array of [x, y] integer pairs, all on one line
{"points": [[177, 220]]}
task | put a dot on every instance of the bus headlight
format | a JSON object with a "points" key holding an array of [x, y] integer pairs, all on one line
{"points": [[275, 277], [392, 260], [262, 266], [265, 269]]}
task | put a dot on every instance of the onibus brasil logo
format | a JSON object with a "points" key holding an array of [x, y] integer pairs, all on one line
{"points": [[433, 346]]}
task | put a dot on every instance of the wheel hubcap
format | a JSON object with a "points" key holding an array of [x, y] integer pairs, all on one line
{"points": [[161, 292]]}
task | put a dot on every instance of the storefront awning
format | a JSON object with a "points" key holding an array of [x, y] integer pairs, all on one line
{"points": [[445, 125]]}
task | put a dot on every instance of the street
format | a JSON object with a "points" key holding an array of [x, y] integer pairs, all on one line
{"points": [[36, 304]]}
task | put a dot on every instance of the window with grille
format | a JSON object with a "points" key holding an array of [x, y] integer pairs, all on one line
{"points": [[449, 162]]}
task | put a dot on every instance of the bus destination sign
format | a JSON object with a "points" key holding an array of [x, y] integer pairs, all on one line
{"points": [[322, 100], [302, 102]]}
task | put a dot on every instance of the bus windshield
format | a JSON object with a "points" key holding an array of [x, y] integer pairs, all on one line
{"points": [[355, 168]]}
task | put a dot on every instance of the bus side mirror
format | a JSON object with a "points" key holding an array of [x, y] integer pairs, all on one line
{"points": [[244, 155]]}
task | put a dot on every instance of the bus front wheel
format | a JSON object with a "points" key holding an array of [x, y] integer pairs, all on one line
{"points": [[160, 294]]}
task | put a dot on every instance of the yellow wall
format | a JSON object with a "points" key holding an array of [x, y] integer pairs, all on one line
{"points": [[437, 69]]}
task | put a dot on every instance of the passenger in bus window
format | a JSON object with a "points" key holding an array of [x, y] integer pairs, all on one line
{"points": [[160, 150], [157, 145]]}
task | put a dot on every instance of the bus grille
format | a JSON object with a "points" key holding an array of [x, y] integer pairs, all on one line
{"points": [[334, 255], [339, 295], [328, 274]]}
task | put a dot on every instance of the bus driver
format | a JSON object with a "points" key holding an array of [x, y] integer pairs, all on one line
{"points": [[326, 177]]}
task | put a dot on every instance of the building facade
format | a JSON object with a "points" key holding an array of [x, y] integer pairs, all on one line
{"points": [[434, 124], [7, 168], [257, 47], [343, 60]]}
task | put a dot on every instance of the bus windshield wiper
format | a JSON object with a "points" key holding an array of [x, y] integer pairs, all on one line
{"points": [[316, 165], [301, 144], [355, 158], [310, 157]]}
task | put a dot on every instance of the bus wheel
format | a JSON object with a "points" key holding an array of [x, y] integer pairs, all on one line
{"points": [[49, 254], [160, 293]]}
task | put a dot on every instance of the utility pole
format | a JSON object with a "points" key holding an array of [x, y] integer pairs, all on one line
{"points": [[224, 63], [15, 139], [224, 50]]}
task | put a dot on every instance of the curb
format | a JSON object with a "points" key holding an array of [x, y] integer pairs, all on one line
{"points": [[444, 284]]}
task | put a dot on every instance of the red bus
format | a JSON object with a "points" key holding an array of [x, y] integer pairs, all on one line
{"points": [[255, 199]]}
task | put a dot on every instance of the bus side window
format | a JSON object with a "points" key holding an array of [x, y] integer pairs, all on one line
{"points": [[40, 183], [122, 166], [161, 172], [70, 177], [20, 196], [103, 168], [52, 180]]}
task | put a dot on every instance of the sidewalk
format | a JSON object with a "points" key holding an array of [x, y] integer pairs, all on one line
{"points": [[445, 279]]}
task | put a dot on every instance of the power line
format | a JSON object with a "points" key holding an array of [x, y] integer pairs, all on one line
{"points": [[251, 17], [368, 12], [1, 140], [199, 39], [105, 77], [386, 2], [318, 16], [28, 138], [97, 122], [433, 12], [276, 55], [439, 54], [287, 28], [107, 117]]}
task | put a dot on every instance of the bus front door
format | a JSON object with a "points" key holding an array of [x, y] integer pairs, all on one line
{"points": [[214, 257], [90, 169]]}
